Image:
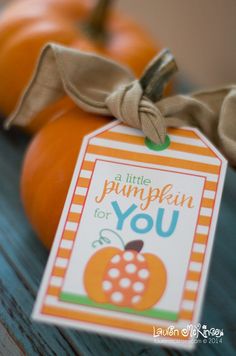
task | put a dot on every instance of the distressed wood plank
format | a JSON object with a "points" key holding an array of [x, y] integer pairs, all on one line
{"points": [[15, 308], [7, 345]]}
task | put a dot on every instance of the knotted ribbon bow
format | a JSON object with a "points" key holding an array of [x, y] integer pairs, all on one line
{"points": [[99, 85]]}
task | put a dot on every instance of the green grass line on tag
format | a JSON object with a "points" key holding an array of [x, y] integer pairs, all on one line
{"points": [[153, 313]]}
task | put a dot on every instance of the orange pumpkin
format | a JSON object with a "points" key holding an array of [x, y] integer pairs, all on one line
{"points": [[24, 28], [27, 25], [126, 278], [48, 167]]}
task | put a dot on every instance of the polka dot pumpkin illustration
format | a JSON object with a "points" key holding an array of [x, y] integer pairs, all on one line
{"points": [[126, 278]]}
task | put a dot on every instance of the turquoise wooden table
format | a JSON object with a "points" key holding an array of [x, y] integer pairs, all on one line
{"points": [[23, 258]]}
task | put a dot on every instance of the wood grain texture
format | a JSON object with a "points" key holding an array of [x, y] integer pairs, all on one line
{"points": [[23, 258], [8, 345]]}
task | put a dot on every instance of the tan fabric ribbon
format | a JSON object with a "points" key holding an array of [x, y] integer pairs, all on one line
{"points": [[101, 86]]}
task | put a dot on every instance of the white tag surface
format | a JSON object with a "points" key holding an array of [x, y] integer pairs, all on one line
{"points": [[132, 250]]}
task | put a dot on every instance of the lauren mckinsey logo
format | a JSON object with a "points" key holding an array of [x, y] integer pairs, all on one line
{"points": [[202, 332]]}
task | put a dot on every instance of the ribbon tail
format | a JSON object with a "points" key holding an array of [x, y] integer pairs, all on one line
{"points": [[88, 79], [44, 88], [212, 111]]}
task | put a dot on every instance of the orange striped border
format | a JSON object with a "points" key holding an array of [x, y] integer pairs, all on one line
{"points": [[74, 217]]}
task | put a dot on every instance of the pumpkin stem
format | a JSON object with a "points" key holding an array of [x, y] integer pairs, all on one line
{"points": [[157, 75], [135, 245], [96, 24]]}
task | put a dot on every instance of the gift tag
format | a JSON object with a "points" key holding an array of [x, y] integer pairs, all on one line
{"points": [[132, 249]]}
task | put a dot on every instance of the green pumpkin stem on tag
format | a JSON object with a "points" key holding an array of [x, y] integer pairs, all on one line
{"points": [[135, 245]]}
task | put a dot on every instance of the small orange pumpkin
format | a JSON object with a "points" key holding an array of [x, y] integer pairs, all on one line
{"points": [[48, 167], [27, 25], [126, 278], [49, 162]]}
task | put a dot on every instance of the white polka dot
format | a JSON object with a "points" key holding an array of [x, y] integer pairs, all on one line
{"points": [[115, 259], [114, 272], [117, 297], [128, 256], [125, 282], [138, 286], [106, 285], [140, 258], [136, 299], [143, 273], [130, 268]]}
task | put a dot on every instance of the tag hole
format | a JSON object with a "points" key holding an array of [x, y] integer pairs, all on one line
{"points": [[153, 146]]}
